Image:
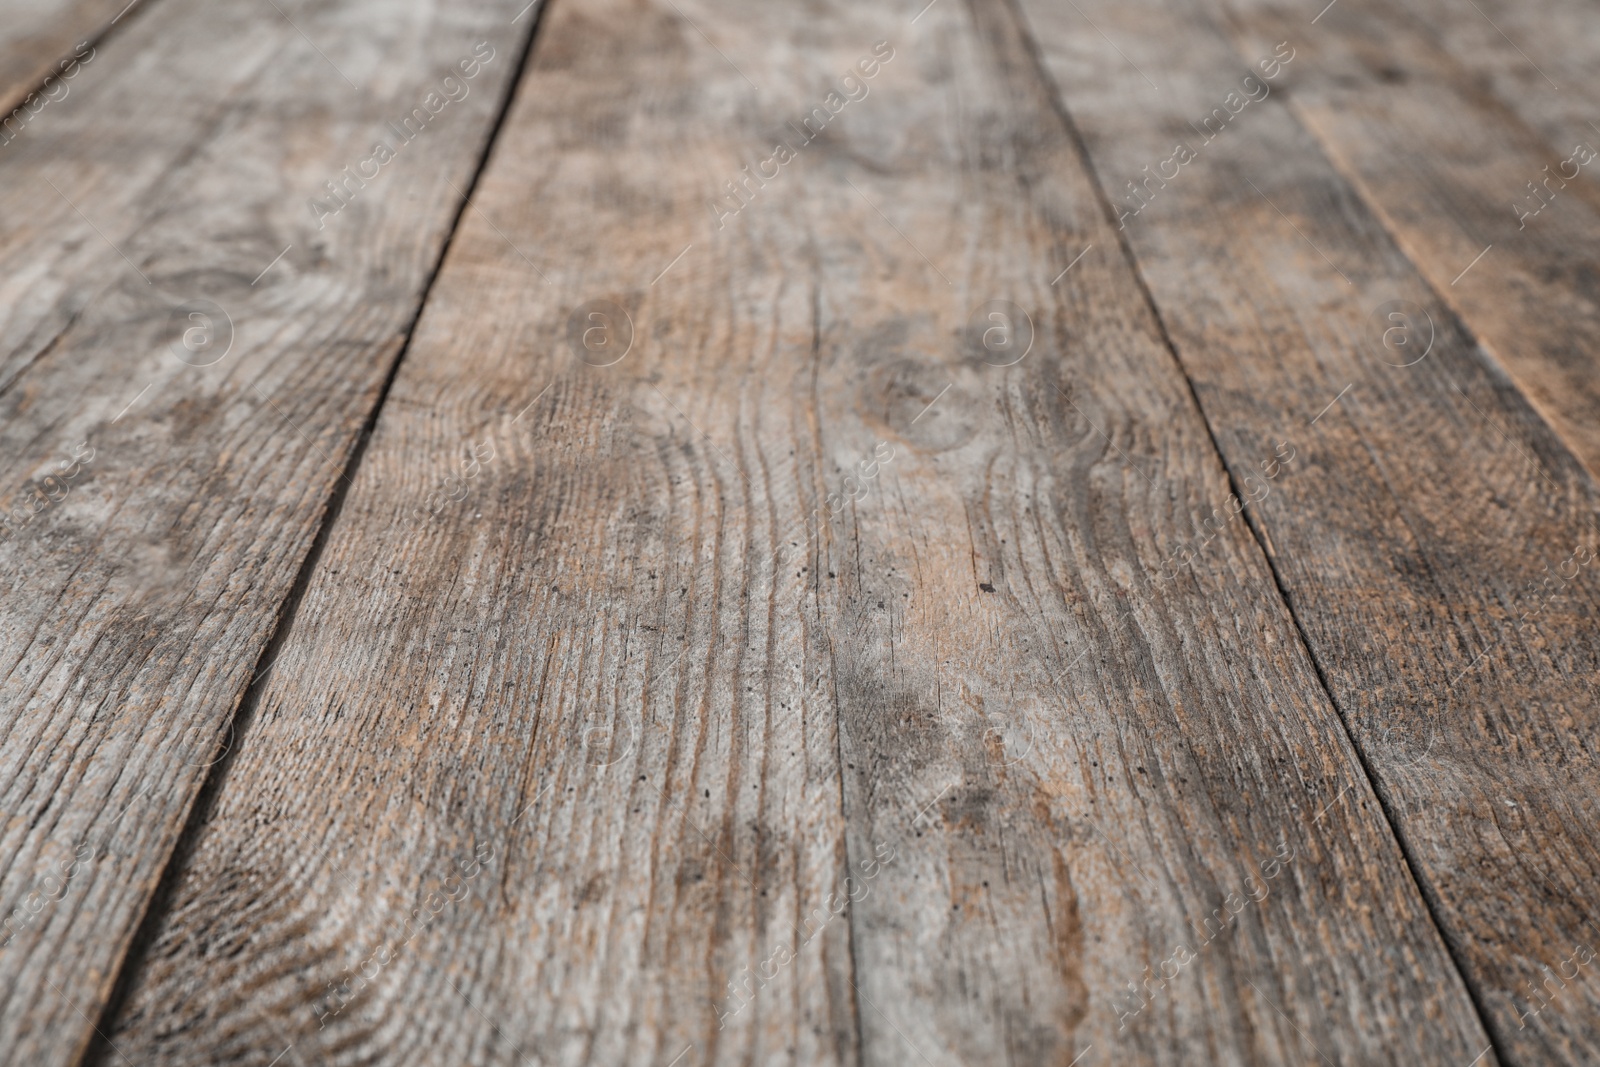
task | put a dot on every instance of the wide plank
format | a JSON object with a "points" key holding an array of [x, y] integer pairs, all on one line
{"points": [[953, 772], [1437, 541], [189, 351]]}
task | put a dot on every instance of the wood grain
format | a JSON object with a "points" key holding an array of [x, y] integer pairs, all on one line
{"points": [[978, 714], [159, 498], [1536, 60], [1432, 503], [40, 41], [1445, 165]]}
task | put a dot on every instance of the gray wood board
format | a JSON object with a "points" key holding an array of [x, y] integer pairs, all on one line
{"points": [[1503, 224], [1436, 542], [600, 620], [186, 361], [44, 46]]}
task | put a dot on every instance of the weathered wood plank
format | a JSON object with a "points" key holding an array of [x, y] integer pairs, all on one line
{"points": [[967, 713], [164, 474], [1475, 196], [1537, 60], [44, 44], [1431, 506]]}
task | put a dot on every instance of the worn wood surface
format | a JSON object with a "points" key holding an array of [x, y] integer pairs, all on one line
{"points": [[1437, 543], [159, 496], [980, 712], [776, 667], [1503, 222], [43, 46], [1536, 60]]}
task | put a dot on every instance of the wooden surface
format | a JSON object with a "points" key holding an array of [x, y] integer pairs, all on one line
{"points": [[1413, 543], [45, 46], [904, 608], [1468, 183], [696, 845], [162, 506]]}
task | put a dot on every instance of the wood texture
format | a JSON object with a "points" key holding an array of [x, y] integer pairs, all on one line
{"points": [[1446, 166], [160, 497], [1434, 505], [44, 39], [1536, 60], [684, 717]]}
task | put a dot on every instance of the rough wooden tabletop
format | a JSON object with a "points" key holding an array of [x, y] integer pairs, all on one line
{"points": [[681, 532]]}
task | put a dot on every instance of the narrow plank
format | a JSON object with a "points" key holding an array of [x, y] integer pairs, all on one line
{"points": [[44, 45], [1452, 172], [165, 474], [692, 723], [1432, 502]]}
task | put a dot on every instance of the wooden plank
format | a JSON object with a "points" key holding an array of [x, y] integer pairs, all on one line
{"points": [[1432, 503], [44, 45], [1474, 195], [965, 714], [1536, 60], [165, 473]]}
